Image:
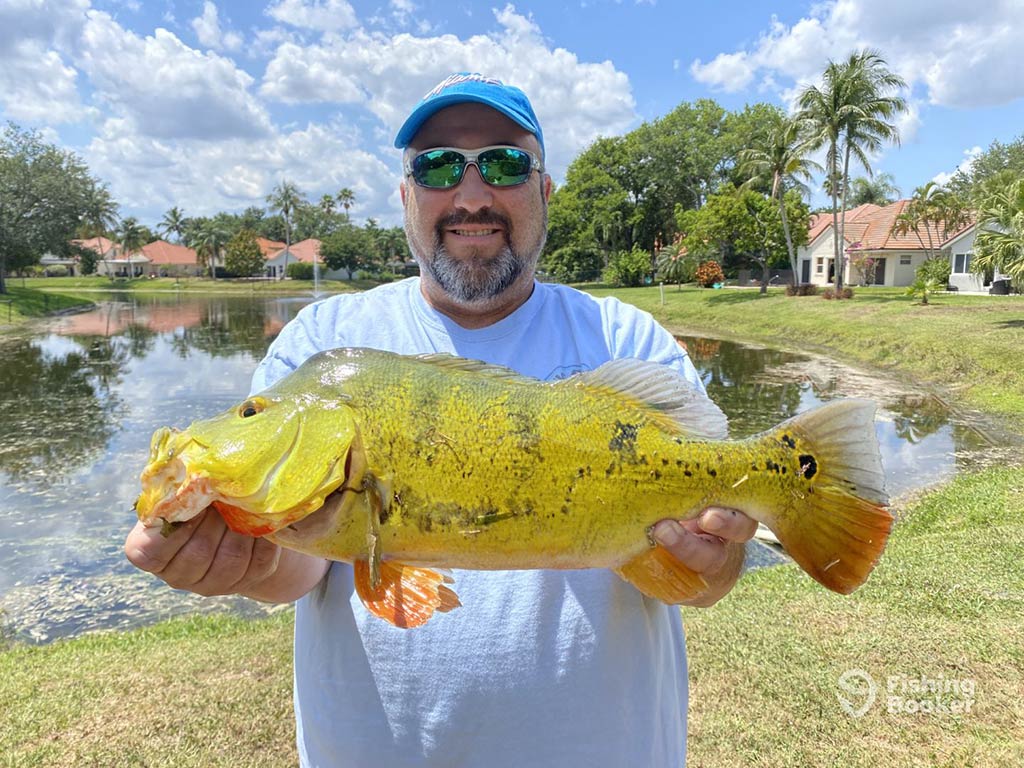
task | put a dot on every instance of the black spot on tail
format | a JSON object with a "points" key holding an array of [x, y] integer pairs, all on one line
{"points": [[789, 441], [808, 466]]}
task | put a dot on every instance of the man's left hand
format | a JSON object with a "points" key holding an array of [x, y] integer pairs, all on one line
{"points": [[710, 544]]}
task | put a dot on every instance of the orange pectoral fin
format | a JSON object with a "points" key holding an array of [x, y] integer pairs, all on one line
{"points": [[659, 575], [407, 596]]}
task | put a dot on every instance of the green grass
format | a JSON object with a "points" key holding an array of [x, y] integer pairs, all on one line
{"points": [[945, 602], [28, 304], [206, 692], [192, 285], [970, 346]]}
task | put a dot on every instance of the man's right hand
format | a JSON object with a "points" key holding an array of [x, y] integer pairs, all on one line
{"points": [[204, 556]]}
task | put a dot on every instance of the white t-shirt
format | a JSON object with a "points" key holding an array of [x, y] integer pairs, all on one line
{"points": [[538, 668]]}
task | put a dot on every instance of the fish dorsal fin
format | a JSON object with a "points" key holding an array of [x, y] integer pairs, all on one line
{"points": [[664, 389], [453, 363]]}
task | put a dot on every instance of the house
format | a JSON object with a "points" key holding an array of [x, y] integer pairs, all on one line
{"points": [[875, 255], [307, 251], [111, 261], [167, 259]]}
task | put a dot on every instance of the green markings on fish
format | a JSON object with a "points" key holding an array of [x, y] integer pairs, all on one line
{"points": [[408, 465]]}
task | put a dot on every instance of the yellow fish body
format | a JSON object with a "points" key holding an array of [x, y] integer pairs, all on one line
{"points": [[402, 465]]}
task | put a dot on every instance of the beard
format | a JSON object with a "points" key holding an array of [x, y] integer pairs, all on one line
{"points": [[479, 277]]}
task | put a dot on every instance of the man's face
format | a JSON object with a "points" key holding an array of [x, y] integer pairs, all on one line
{"points": [[475, 240]]}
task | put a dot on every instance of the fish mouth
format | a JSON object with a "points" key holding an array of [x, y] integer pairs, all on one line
{"points": [[170, 494]]}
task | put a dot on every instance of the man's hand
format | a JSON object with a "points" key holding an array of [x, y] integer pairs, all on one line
{"points": [[711, 544], [204, 556]]}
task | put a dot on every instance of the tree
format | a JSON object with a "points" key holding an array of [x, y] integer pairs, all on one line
{"points": [[1000, 241], [1000, 163], [286, 198], [243, 256], [131, 236], [173, 223], [880, 190], [850, 116], [208, 242], [345, 249], [45, 194], [346, 199], [780, 160], [327, 205], [933, 214], [100, 215]]}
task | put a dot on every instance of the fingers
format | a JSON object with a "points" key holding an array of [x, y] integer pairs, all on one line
{"points": [[700, 552], [728, 524], [700, 543], [203, 556]]}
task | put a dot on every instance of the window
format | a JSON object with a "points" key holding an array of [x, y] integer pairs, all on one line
{"points": [[905, 259], [820, 266], [962, 263]]}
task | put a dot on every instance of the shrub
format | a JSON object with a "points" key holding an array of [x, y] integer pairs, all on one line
{"points": [[935, 270], [300, 270], [708, 273], [627, 268], [847, 292], [56, 270], [804, 289], [573, 264], [828, 294]]}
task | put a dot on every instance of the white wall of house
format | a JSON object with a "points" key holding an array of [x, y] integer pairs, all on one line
{"points": [[960, 252]]}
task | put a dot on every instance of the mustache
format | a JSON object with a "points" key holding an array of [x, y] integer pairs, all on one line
{"points": [[485, 216]]}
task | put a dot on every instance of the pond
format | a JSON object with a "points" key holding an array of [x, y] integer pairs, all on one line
{"points": [[82, 395]]}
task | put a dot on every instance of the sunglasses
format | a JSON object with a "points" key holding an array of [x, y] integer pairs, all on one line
{"points": [[499, 166]]}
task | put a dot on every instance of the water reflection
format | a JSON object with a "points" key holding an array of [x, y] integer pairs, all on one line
{"points": [[82, 397]]}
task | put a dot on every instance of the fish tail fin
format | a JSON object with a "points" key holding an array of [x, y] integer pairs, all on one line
{"points": [[658, 574], [406, 596], [837, 524]]}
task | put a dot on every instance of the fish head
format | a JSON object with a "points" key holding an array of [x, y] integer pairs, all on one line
{"points": [[263, 464]]}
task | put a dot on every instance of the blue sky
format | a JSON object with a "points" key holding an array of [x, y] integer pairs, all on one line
{"points": [[206, 104]]}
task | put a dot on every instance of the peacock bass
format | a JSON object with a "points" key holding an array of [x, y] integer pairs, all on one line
{"points": [[406, 466]]}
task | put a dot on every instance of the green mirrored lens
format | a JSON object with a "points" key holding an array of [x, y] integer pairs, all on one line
{"points": [[438, 169], [505, 166]]}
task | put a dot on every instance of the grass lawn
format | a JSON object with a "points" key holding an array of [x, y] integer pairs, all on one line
{"points": [[945, 603], [970, 346], [21, 304]]}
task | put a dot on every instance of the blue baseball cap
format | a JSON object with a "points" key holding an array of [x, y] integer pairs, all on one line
{"points": [[465, 87]]}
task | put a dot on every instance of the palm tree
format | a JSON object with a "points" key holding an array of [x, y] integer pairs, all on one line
{"points": [[1000, 242], [173, 223], [286, 198], [780, 160], [346, 199], [932, 213], [880, 190], [850, 116], [327, 205], [208, 241], [131, 236], [101, 211]]}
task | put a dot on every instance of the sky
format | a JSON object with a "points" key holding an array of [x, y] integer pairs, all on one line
{"points": [[207, 104]]}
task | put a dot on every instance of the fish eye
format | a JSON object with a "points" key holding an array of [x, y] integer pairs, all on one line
{"points": [[251, 407]]}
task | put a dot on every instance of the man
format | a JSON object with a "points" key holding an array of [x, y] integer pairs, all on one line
{"points": [[568, 668]]}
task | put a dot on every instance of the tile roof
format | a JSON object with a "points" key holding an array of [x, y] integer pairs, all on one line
{"points": [[304, 250], [99, 244], [162, 252], [869, 228], [269, 247]]}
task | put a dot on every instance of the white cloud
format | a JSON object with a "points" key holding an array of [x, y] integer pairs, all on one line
{"points": [[962, 55], [575, 101], [322, 15], [209, 33], [37, 84], [148, 173], [166, 89]]}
